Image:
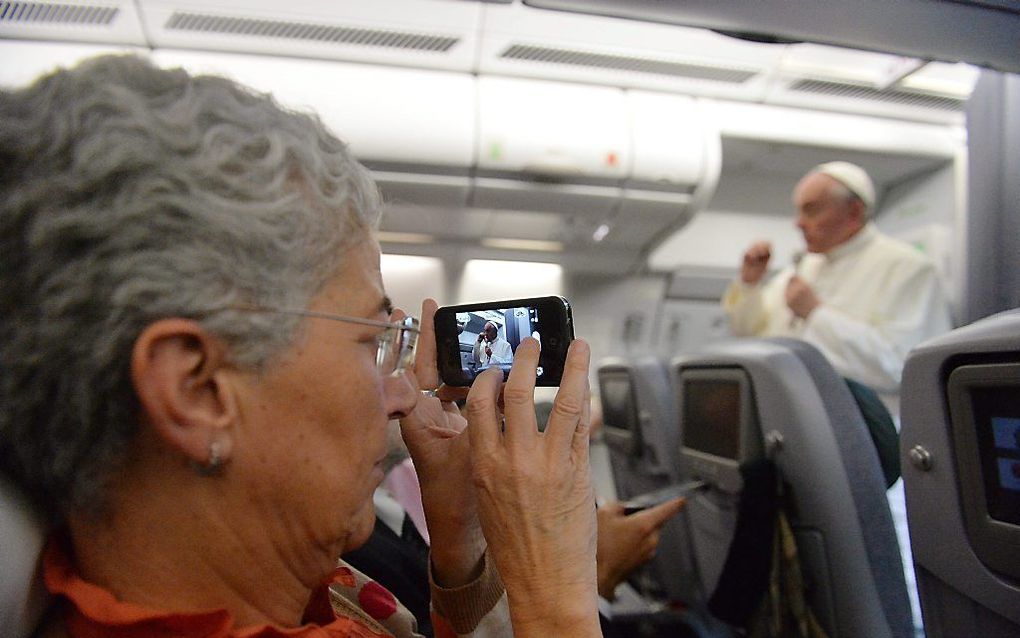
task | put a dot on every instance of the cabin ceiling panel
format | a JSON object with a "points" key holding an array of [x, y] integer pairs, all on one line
{"points": [[792, 160], [526, 225], [518, 40], [109, 21], [418, 33], [758, 177], [437, 222], [801, 93], [975, 31]]}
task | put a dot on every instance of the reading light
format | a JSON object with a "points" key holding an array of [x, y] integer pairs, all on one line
{"points": [[403, 238], [523, 244]]}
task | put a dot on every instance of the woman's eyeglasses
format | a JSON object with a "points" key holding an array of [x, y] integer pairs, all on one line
{"points": [[397, 341]]}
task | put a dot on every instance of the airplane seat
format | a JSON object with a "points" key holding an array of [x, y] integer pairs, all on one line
{"points": [[746, 400], [639, 422], [960, 451], [23, 597], [858, 445], [641, 435]]}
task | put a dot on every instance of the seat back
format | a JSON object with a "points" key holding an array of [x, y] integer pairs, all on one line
{"points": [[640, 422], [805, 419], [960, 447], [641, 433], [23, 597]]}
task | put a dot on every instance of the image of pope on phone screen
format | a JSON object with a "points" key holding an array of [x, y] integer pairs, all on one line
{"points": [[491, 336], [478, 336], [490, 348]]}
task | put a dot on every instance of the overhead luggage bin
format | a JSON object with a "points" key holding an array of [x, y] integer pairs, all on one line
{"points": [[421, 154], [550, 146], [677, 155]]}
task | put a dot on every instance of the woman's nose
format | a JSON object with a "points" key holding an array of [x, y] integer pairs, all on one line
{"points": [[400, 394]]}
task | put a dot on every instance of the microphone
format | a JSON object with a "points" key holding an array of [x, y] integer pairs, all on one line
{"points": [[798, 256]]}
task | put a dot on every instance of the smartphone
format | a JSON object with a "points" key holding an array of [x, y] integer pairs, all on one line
{"points": [[661, 495], [473, 337]]}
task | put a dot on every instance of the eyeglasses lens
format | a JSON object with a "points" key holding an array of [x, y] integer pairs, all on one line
{"points": [[397, 346]]}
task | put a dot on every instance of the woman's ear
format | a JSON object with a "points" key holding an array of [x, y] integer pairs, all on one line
{"points": [[180, 374]]}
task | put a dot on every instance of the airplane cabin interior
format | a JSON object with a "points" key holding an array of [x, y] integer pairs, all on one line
{"points": [[623, 155]]}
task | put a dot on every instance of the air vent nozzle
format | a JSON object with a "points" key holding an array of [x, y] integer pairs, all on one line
{"points": [[46, 13], [894, 96], [206, 23], [626, 63]]}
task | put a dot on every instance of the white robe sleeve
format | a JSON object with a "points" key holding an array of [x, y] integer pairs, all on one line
{"points": [[750, 308], [873, 351], [502, 353]]}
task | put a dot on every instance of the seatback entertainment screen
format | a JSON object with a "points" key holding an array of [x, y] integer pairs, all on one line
{"points": [[711, 417], [997, 421], [617, 400]]}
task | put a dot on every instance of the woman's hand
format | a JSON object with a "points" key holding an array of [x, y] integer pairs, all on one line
{"points": [[441, 455], [535, 499]]}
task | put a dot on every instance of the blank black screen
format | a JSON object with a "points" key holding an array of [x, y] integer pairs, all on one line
{"points": [[617, 402], [711, 417]]}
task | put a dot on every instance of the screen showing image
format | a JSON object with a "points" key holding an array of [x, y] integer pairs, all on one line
{"points": [[1009, 474], [711, 417], [1006, 431], [617, 403], [1006, 434], [997, 412], [489, 338]]}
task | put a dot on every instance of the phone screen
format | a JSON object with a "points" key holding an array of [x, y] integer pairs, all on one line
{"points": [[475, 337]]}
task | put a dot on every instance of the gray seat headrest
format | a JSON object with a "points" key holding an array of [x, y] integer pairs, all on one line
{"points": [[23, 597]]}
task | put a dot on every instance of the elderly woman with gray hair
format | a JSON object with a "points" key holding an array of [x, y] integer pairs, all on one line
{"points": [[199, 363]]}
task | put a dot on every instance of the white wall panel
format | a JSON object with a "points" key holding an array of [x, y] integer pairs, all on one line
{"points": [[24, 61], [490, 280]]}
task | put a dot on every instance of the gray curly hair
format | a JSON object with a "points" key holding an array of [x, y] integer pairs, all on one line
{"points": [[130, 194]]}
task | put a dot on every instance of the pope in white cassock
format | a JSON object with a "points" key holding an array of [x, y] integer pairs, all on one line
{"points": [[491, 349], [864, 299]]}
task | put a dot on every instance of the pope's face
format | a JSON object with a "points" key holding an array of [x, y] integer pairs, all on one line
{"points": [[825, 220]]}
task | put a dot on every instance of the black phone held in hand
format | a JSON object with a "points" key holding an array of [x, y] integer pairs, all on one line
{"points": [[471, 338]]}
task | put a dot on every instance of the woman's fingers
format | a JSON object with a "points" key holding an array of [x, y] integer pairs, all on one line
{"points": [[519, 394], [485, 428], [571, 413], [425, 367]]}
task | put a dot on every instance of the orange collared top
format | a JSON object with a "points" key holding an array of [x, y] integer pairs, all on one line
{"points": [[94, 612]]}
